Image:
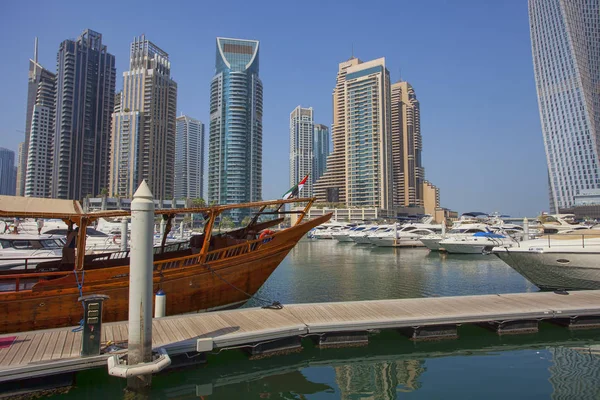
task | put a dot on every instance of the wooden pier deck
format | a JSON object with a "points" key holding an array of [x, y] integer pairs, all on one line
{"points": [[50, 352]]}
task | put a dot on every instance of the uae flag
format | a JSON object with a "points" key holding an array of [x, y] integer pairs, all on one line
{"points": [[293, 192]]}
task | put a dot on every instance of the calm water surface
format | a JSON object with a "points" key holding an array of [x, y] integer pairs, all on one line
{"points": [[554, 363]]}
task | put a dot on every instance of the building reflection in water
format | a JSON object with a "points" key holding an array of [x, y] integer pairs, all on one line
{"points": [[575, 373], [380, 380]]}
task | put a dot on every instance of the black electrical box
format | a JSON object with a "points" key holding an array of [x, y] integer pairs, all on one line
{"points": [[92, 324]]}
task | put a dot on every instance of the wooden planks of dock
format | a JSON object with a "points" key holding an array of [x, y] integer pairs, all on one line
{"points": [[42, 353]]}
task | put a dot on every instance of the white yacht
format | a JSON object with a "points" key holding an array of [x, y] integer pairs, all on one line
{"points": [[477, 243], [326, 231], [567, 260], [459, 229], [344, 234], [558, 223], [362, 236], [407, 235], [96, 242], [19, 251]]}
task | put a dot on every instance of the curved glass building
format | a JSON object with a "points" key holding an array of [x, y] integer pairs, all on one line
{"points": [[565, 40], [235, 141]]}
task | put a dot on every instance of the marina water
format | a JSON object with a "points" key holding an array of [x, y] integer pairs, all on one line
{"points": [[554, 363]]}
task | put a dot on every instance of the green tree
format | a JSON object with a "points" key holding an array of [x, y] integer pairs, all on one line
{"points": [[226, 223], [198, 202], [247, 219]]}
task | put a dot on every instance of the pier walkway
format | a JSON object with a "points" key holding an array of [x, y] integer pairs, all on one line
{"points": [[50, 352]]}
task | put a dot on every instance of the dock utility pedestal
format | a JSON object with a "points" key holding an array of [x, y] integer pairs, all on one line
{"points": [[92, 324]]}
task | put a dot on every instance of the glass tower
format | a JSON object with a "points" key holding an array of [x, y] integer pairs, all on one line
{"points": [[320, 150], [235, 136], [565, 40], [189, 158], [85, 98], [301, 148], [7, 172]]}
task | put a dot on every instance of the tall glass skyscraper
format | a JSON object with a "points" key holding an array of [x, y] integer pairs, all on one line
{"points": [[39, 77], [320, 150], [8, 173], [235, 142], [189, 158], [85, 98], [565, 39], [301, 148], [143, 132]]}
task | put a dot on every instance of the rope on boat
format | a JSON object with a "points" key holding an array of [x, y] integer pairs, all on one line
{"points": [[80, 287], [272, 305]]}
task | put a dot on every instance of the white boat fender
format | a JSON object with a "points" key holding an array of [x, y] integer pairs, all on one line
{"points": [[118, 367], [160, 304]]}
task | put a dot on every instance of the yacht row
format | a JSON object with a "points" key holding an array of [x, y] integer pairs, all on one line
{"points": [[553, 252]]}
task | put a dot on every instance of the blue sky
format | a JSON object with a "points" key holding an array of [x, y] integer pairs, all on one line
{"points": [[468, 60]]}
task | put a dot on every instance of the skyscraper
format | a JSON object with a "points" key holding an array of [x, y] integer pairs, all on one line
{"points": [[301, 148], [236, 108], [39, 153], [143, 131], [85, 97], [359, 169], [320, 150], [7, 172], [38, 75], [566, 58], [408, 172], [189, 158], [331, 186]]}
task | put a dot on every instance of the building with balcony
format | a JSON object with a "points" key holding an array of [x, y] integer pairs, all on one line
{"points": [[38, 77], [565, 42], [143, 131], [189, 158], [85, 96], [235, 133]]}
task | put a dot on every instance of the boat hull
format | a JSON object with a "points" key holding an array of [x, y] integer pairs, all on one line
{"points": [[463, 248], [361, 239], [432, 243], [555, 270], [342, 238], [401, 242], [190, 285]]}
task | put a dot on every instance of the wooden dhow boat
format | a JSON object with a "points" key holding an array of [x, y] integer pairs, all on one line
{"points": [[212, 271]]}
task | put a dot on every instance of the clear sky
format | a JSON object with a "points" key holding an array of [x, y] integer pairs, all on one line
{"points": [[468, 60]]}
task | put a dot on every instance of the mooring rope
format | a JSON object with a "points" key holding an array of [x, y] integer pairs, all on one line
{"points": [[80, 287]]}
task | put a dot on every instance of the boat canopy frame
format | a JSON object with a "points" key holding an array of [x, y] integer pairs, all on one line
{"points": [[71, 212]]}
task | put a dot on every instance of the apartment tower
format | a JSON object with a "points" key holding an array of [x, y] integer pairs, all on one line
{"points": [[301, 148], [235, 135], [189, 158], [85, 97], [39, 154], [408, 172], [359, 170], [143, 130], [7, 172], [565, 41], [38, 75], [320, 150]]}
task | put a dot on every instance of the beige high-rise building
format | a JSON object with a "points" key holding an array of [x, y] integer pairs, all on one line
{"points": [[359, 171], [331, 187], [143, 131], [408, 171]]}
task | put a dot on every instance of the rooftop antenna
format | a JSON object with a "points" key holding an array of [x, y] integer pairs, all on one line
{"points": [[350, 57], [35, 50]]}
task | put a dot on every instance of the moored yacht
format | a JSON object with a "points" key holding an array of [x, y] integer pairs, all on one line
{"points": [[20, 251], [432, 242], [362, 237], [407, 235], [567, 260], [476, 243]]}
